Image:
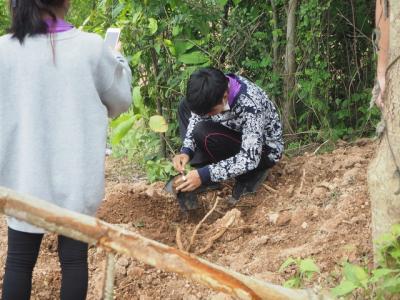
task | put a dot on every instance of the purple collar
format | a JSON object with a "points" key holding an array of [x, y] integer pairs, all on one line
{"points": [[234, 88], [58, 26]]}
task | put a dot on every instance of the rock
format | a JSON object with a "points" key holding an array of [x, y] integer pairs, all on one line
{"points": [[273, 217], [123, 262], [120, 271], [283, 218], [304, 225], [135, 272]]}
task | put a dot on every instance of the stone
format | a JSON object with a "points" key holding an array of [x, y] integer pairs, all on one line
{"points": [[120, 270], [304, 225], [283, 218], [123, 262], [135, 272], [273, 217]]}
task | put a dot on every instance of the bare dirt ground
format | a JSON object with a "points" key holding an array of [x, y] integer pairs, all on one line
{"points": [[310, 206]]}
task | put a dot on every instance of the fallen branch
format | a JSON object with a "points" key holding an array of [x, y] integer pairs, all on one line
{"points": [[114, 239]]}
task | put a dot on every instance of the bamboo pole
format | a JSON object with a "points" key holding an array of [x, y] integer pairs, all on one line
{"points": [[115, 239]]}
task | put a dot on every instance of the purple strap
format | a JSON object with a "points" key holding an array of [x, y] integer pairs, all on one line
{"points": [[234, 88], [58, 26]]}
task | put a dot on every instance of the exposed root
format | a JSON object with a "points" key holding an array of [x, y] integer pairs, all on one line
{"points": [[202, 221], [227, 221]]}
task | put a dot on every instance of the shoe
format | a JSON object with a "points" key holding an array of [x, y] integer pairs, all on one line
{"points": [[247, 184]]}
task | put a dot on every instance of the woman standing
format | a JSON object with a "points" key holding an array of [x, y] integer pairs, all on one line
{"points": [[57, 87]]}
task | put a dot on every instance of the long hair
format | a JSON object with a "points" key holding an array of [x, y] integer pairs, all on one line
{"points": [[27, 17]]}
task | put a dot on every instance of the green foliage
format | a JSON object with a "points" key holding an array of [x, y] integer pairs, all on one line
{"points": [[165, 41], [381, 282], [4, 17], [304, 271]]}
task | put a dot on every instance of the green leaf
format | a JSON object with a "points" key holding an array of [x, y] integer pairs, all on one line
{"points": [[182, 46], [392, 285], [292, 283], [137, 97], [236, 2], [308, 265], [157, 123], [152, 26], [344, 288], [355, 274], [136, 58], [193, 58], [121, 130], [222, 2], [136, 17], [287, 263], [117, 10], [176, 30], [379, 273], [114, 123]]}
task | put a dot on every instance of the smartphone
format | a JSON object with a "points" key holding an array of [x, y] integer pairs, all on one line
{"points": [[112, 37]]}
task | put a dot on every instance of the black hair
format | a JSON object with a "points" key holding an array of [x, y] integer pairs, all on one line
{"points": [[205, 89], [27, 17]]}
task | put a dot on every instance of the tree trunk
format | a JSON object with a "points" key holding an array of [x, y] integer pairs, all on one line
{"points": [[384, 172], [290, 67]]}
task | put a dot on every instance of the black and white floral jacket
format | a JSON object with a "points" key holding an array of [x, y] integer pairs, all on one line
{"points": [[256, 117]]}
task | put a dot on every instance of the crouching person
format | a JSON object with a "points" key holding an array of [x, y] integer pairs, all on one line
{"points": [[230, 129]]}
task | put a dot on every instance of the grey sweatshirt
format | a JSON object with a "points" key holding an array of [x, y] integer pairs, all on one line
{"points": [[55, 95]]}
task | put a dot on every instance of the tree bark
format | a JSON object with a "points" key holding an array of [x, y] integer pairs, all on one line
{"points": [[384, 172], [115, 239], [290, 68]]}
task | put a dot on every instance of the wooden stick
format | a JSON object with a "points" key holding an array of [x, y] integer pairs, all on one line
{"points": [[112, 238]]}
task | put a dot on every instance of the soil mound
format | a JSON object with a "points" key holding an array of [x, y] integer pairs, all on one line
{"points": [[310, 206]]}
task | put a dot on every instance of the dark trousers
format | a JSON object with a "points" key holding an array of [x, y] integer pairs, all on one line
{"points": [[22, 253], [215, 142]]}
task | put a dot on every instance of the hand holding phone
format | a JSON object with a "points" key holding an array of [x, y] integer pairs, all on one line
{"points": [[112, 37]]}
